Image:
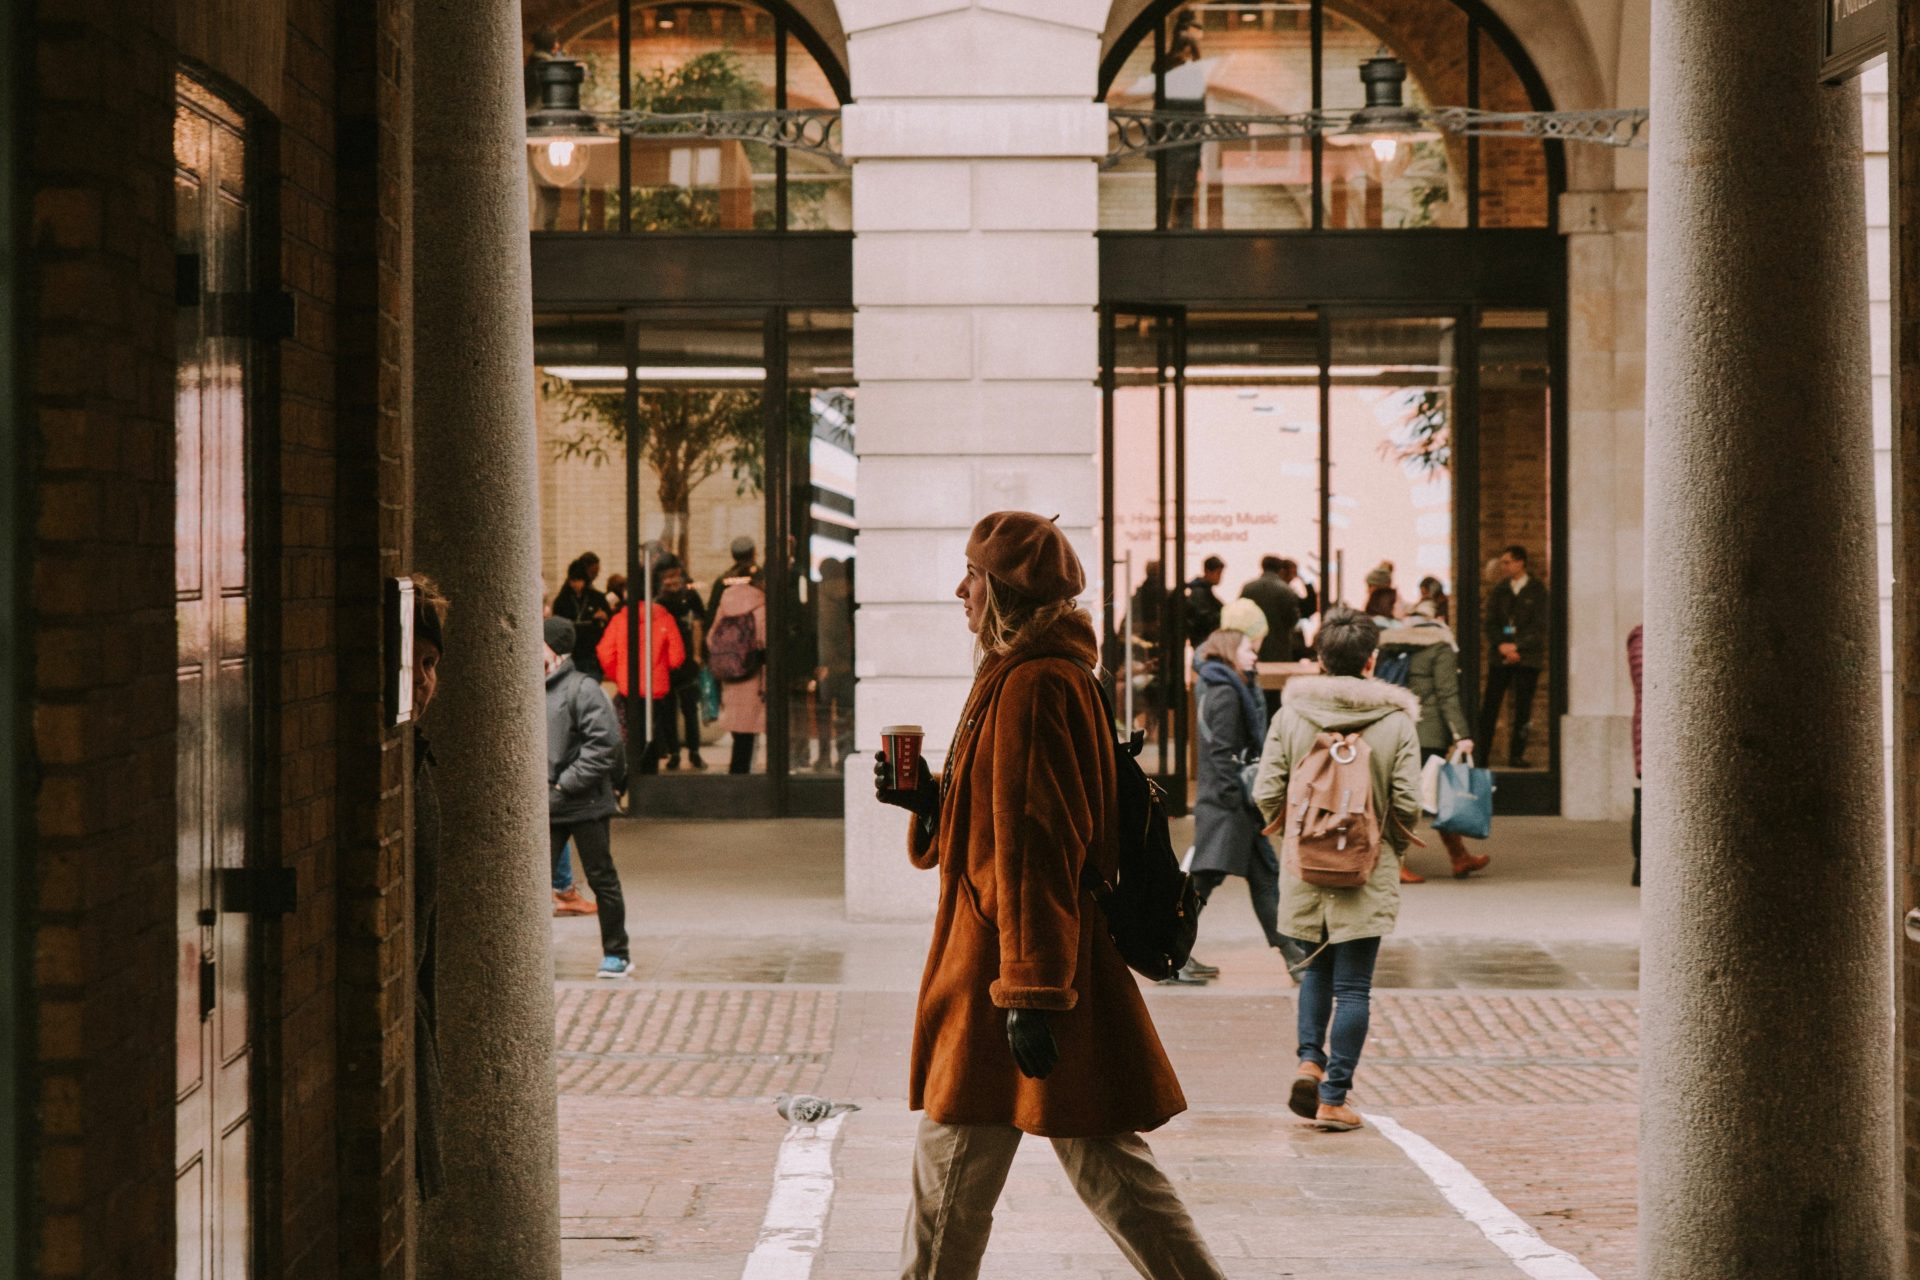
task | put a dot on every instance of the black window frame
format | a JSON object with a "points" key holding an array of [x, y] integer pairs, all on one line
{"points": [[1151, 24]]}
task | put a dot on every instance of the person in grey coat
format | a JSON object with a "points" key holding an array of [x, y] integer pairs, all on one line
{"points": [[583, 754], [1232, 727]]}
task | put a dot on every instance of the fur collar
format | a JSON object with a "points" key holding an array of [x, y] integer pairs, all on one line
{"points": [[1337, 701], [1418, 633]]}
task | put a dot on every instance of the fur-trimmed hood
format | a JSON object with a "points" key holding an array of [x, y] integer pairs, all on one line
{"points": [[1417, 633], [1345, 703]]}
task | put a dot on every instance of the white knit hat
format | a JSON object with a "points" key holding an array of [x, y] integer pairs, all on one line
{"points": [[1246, 617]]}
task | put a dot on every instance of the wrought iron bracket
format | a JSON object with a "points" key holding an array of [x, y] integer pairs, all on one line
{"points": [[814, 131], [1138, 133]]}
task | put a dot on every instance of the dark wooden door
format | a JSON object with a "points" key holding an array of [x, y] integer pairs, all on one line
{"points": [[215, 737]]}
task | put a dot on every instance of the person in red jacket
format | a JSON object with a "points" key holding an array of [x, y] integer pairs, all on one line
{"points": [[669, 653]]}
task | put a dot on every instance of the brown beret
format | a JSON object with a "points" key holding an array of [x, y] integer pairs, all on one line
{"points": [[1029, 554]]}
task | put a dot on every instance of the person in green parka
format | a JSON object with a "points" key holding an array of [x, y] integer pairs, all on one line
{"points": [[1433, 676], [1342, 928]]}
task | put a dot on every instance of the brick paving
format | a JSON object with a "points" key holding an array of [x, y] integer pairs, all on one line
{"points": [[1516, 1057]]}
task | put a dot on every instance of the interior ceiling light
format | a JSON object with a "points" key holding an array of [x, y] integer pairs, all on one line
{"points": [[560, 136], [1386, 126]]}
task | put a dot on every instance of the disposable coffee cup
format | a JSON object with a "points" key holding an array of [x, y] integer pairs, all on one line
{"points": [[902, 742]]}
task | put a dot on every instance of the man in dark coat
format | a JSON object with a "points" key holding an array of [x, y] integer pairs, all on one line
{"points": [[1203, 606], [1278, 600], [1516, 617]]}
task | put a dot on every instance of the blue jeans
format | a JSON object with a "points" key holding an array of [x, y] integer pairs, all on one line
{"points": [[1338, 988], [563, 868]]}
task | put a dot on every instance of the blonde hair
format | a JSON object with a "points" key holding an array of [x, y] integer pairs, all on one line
{"points": [[1223, 644], [1010, 617]]}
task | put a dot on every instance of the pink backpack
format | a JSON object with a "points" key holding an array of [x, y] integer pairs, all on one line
{"points": [[1332, 835]]}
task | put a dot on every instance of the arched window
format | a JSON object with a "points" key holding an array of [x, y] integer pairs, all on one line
{"points": [[1242, 57], [675, 56]]}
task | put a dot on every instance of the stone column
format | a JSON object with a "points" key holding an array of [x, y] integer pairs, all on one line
{"points": [[1767, 1142], [476, 529], [1606, 421], [974, 138]]}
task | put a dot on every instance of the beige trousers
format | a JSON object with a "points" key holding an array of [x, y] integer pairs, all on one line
{"points": [[960, 1169]]}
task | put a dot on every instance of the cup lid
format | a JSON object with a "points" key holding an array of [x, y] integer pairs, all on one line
{"points": [[894, 729]]}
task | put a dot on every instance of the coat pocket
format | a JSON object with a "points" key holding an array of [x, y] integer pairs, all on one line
{"points": [[972, 896]]}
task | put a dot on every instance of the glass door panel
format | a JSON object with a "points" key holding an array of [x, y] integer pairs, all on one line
{"points": [[1253, 447], [1390, 414], [822, 483], [1145, 642]]}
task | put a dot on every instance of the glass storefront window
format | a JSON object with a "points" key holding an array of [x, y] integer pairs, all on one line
{"points": [[681, 58], [1390, 453], [1252, 57], [742, 506], [1395, 185]]}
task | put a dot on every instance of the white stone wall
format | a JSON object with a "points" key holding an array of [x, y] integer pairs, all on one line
{"points": [[973, 137], [1873, 105], [1606, 437]]}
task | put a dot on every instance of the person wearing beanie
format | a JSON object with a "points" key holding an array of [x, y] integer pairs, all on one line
{"points": [[1425, 647], [583, 755], [745, 569], [1383, 602], [1028, 1019], [1231, 723]]}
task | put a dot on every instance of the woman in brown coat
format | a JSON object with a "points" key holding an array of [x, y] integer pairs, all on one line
{"points": [[1028, 1019]]}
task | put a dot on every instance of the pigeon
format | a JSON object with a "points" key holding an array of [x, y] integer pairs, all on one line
{"points": [[804, 1108]]}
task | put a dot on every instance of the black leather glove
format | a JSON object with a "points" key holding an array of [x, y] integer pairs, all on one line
{"points": [[1031, 1039], [923, 800]]}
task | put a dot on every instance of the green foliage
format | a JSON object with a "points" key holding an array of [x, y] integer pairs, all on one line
{"points": [[687, 435], [1424, 442], [711, 81]]}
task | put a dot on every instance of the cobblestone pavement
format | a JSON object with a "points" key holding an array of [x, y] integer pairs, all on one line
{"points": [[669, 1139]]}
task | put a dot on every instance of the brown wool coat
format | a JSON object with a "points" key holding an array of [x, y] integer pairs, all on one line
{"points": [[1027, 801]]}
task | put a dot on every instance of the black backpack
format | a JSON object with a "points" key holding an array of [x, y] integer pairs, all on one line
{"points": [[1152, 910]]}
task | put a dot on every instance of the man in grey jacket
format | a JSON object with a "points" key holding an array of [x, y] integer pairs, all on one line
{"points": [[583, 754]]}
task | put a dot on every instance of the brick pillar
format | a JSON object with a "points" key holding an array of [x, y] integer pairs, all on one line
{"points": [[1767, 1135], [973, 139], [476, 529]]}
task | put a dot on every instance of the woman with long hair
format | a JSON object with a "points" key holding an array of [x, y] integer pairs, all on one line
{"points": [[1232, 727], [1029, 1021]]}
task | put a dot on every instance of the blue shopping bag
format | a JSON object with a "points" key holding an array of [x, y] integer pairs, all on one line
{"points": [[1466, 801]]}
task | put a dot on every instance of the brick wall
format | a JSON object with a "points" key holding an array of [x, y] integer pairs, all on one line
{"points": [[1515, 506], [375, 903], [98, 334], [302, 1135], [333, 1004]]}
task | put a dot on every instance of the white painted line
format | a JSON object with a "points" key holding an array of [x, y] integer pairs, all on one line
{"points": [[1502, 1226], [796, 1219]]}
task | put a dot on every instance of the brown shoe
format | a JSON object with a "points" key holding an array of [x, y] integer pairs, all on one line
{"points": [[1340, 1119], [1304, 1099], [571, 903], [1464, 863], [1408, 876]]}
